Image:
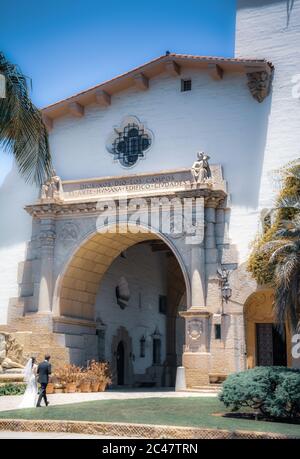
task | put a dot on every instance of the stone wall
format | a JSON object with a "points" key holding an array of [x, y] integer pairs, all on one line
{"points": [[271, 29]]}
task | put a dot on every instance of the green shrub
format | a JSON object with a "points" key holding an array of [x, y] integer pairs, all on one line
{"points": [[273, 391], [12, 389]]}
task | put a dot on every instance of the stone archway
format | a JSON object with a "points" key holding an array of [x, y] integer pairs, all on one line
{"points": [[71, 258], [77, 285], [77, 291], [259, 321]]}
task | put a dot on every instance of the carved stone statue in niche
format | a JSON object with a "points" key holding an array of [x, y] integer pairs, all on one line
{"points": [[52, 188], [11, 353], [200, 170]]}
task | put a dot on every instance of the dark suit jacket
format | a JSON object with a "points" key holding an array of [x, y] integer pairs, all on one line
{"points": [[44, 370]]}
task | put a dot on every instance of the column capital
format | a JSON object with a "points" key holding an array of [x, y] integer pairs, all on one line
{"points": [[47, 238], [195, 312]]}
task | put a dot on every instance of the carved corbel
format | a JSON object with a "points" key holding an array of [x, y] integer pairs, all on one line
{"points": [[102, 98], [76, 109], [259, 84], [172, 68], [48, 122], [141, 81]]}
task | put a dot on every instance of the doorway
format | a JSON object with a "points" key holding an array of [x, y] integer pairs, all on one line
{"points": [[271, 345], [120, 363]]}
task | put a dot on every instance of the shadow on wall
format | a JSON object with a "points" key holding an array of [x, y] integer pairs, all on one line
{"points": [[16, 224], [242, 157], [261, 3]]}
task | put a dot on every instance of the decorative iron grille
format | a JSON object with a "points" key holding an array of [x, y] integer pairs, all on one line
{"points": [[130, 144]]}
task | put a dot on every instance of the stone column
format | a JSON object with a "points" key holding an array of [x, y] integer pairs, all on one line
{"points": [[213, 296], [47, 241], [196, 353], [197, 257]]}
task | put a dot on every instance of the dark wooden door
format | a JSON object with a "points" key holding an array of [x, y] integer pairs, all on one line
{"points": [[270, 346], [120, 363], [279, 348]]}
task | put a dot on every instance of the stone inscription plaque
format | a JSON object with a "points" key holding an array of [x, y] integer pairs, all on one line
{"points": [[138, 185]]}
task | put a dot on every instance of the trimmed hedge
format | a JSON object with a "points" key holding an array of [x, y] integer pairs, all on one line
{"points": [[12, 389], [273, 391]]}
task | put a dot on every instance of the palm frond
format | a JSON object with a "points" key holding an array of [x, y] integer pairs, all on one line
{"points": [[289, 230], [272, 245], [288, 202], [22, 131], [283, 251], [287, 300]]}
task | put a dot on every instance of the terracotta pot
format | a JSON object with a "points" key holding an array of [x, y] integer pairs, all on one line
{"points": [[95, 387], [58, 390], [70, 388], [50, 388], [85, 387], [102, 387]]}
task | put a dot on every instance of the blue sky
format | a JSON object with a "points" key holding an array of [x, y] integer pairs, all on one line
{"points": [[68, 45]]}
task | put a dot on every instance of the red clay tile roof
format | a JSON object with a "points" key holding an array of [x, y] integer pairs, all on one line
{"points": [[152, 68]]}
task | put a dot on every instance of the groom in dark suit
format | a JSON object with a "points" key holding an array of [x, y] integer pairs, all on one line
{"points": [[43, 371]]}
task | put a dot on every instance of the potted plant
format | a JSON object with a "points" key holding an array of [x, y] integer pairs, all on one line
{"points": [[58, 388], [71, 378], [50, 386], [94, 383], [102, 372], [85, 383]]}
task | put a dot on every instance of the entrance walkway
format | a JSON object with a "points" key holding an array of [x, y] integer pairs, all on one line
{"points": [[12, 402]]}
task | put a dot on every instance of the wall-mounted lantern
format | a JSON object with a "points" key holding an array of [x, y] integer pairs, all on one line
{"points": [[226, 290]]}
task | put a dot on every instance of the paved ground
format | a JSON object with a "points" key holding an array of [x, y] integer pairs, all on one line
{"points": [[52, 435], [12, 402]]}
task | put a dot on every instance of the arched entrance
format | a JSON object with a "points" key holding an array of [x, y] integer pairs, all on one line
{"points": [[72, 257], [265, 345], [111, 285]]}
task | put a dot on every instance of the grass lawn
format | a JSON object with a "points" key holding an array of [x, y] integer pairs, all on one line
{"points": [[194, 412]]}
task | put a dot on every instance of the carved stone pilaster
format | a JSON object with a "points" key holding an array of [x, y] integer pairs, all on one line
{"points": [[47, 238], [196, 330], [196, 356], [259, 84]]}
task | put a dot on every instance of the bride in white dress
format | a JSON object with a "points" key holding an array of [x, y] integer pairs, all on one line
{"points": [[30, 377]]}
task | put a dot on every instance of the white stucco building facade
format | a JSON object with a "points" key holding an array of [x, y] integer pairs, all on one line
{"points": [[59, 274]]}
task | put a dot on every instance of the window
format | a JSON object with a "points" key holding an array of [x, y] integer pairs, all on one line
{"points": [[186, 85], [131, 144], [217, 331], [156, 351], [162, 304]]}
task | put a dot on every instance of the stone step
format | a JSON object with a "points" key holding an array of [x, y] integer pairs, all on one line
{"points": [[209, 386], [204, 389]]}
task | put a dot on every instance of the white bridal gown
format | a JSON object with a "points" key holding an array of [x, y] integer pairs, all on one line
{"points": [[29, 399]]}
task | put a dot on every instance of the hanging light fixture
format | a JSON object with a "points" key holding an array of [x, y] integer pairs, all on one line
{"points": [[225, 286]]}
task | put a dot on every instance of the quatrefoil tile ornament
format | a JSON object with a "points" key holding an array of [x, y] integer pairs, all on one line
{"points": [[129, 142]]}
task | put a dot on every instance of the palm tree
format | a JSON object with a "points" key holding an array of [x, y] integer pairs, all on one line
{"points": [[22, 131], [285, 256]]}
